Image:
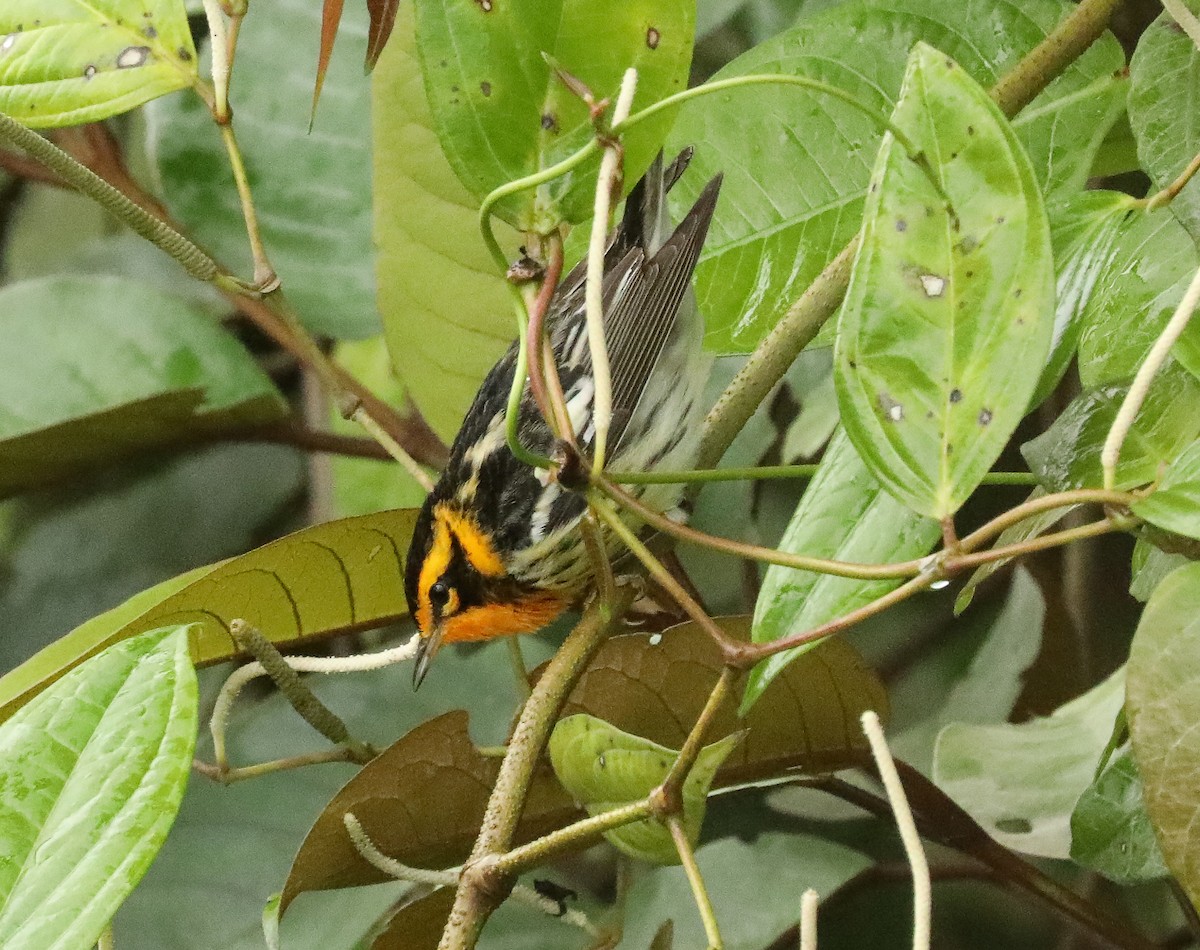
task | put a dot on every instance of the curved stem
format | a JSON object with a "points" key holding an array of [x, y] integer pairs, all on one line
{"points": [[1140, 386], [687, 858]]}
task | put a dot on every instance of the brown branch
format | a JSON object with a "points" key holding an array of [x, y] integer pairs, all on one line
{"points": [[295, 433]]}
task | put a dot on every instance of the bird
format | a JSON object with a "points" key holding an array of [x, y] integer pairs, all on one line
{"points": [[497, 549]]}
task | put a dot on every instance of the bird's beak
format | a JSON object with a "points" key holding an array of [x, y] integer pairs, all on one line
{"points": [[426, 651]]}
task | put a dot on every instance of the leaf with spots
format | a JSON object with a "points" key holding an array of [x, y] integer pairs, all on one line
{"points": [[948, 318], [1067, 455], [312, 189], [1175, 504], [1163, 111], [65, 63], [447, 316], [844, 514], [797, 163], [91, 776], [604, 768], [331, 578], [1163, 706], [422, 799], [502, 114], [1022, 782], [98, 369]]}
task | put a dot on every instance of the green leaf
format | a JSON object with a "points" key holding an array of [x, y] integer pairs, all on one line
{"points": [[93, 773], [1149, 566], [755, 887], [68, 63], [1163, 707], [1163, 113], [794, 196], [1021, 783], [502, 114], [447, 316], [331, 578], [949, 314], [131, 367], [1175, 504], [1084, 228], [1148, 266], [845, 514], [605, 768], [312, 191], [1067, 455], [1110, 830]]}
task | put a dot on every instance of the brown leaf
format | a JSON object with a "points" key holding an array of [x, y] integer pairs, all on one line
{"points": [[808, 718], [421, 802], [419, 925], [383, 18], [331, 18]]}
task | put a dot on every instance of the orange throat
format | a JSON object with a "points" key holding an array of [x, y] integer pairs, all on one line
{"points": [[530, 613]]}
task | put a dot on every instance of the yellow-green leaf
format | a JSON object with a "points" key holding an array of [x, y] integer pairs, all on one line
{"points": [[331, 578], [949, 314], [64, 62], [605, 768]]}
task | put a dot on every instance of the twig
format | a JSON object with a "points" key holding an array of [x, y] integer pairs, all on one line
{"points": [[762, 472], [1140, 386], [570, 838], [283, 671], [606, 183], [1168, 194], [1186, 19], [449, 878], [231, 776], [699, 892], [922, 888], [394, 448], [482, 888], [668, 796], [296, 433], [808, 920]]}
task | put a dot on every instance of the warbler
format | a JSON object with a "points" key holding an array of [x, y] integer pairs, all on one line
{"points": [[497, 548]]}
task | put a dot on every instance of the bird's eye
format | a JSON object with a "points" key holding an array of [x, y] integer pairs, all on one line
{"points": [[439, 594]]}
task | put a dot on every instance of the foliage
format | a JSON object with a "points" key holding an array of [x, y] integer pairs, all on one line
{"points": [[946, 225]]}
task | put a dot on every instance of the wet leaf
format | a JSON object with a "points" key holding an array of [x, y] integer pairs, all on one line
{"points": [[383, 19], [427, 233], [1084, 230], [1110, 830], [1067, 455], [1163, 706], [604, 768], [93, 774], [65, 64], [844, 514], [1148, 266], [794, 197], [949, 314], [133, 367], [318, 236], [1021, 782], [502, 114], [331, 578], [422, 799], [1163, 113], [1175, 503]]}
